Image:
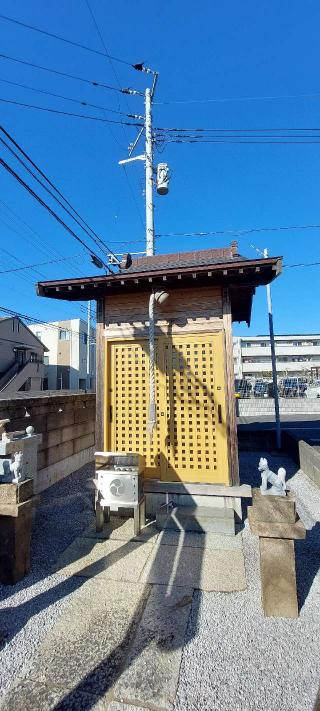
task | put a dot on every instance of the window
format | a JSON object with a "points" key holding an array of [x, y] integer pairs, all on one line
{"points": [[39, 335], [84, 338], [64, 335], [46, 359], [82, 383]]}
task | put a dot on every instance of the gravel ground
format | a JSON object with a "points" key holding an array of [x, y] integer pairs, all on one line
{"points": [[235, 658], [30, 608]]}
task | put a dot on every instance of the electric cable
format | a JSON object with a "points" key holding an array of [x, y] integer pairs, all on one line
{"points": [[66, 98], [123, 128], [94, 236], [63, 39], [92, 82], [97, 241], [67, 113], [238, 232], [49, 209], [39, 264]]}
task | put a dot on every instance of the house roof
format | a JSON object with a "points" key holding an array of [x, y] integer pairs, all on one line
{"points": [[180, 260], [207, 267]]}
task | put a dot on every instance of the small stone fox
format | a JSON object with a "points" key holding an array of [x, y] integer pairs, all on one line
{"points": [[277, 481]]}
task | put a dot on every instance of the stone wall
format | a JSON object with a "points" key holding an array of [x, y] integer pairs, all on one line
{"points": [[67, 424], [310, 461]]}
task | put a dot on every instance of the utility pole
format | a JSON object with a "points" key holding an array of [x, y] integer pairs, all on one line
{"points": [[273, 362], [149, 177], [88, 345]]}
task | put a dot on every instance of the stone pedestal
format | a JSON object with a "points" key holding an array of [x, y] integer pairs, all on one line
{"points": [[16, 504], [274, 520]]}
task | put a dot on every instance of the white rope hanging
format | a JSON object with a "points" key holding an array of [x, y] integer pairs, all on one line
{"points": [[152, 382]]}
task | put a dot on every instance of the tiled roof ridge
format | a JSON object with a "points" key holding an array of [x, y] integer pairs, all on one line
{"points": [[192, 256]]}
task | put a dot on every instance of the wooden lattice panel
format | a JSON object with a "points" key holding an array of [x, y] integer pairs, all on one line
{"points": [[129, 401], [190, 439], [191, 410]]}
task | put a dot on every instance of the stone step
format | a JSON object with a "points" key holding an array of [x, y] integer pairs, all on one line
{"points": [[199, 519]]}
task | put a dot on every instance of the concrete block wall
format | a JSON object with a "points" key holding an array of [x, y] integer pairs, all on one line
{"points": [[67, 424], [310, 461], [265, 406]]}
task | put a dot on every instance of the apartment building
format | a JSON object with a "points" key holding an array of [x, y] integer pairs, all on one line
{"points": [[21, 357], [68, 351], [296, 355]]}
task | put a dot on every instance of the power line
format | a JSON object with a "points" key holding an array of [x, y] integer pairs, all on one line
{"points": [[66, 98], [37, 240], [32, 319], [63, 74], [48, 208], [40, 264], [240, 98], [235, 130], [68, 113], [302, 264], [64, 39], [92, 234], [249, 142], [98, 241], [238, 232], [119, 85]]}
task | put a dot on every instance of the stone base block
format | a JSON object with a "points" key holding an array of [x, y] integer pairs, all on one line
{"points": [[16, 493], [277, 509], [278, 577], [15, 537], [275, 530]]}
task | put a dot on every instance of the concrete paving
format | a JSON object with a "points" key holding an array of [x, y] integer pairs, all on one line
{"points": [[106, 644]]}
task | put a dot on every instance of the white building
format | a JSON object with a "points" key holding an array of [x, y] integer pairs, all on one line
{"points": [[68, 349], [297, 355], [21, 357]]}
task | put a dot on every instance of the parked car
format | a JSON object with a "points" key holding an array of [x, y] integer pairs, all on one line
{"points": [[292, 387], [260, 389], [242, 387]]}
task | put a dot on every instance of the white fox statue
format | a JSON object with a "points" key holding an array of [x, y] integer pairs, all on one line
{"points": [[277, 481]]}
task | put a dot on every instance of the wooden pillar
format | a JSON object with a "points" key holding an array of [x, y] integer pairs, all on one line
{"points": [[230, 391], [100, 355]]}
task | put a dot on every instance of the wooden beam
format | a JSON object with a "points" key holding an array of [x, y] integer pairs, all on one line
{"points": [[100, 343], [230, 390], [179, 276]]}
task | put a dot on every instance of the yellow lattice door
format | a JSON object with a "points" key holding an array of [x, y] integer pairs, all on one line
{"points": [[196, 440], [127, 395], [190, 439]]}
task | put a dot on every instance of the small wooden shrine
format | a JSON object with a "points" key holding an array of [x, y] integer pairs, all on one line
{"points": [[195, 434]]}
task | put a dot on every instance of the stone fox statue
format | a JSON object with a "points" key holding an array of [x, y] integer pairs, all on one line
{"points": [[277, 481], [16, 467]]}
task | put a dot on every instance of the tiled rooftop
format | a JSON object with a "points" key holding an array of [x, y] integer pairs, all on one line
{"points": [[196, 258]]}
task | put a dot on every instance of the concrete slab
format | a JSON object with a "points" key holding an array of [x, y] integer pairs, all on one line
{"points": [[86, 650], [152, 668], [278, 509], [30, 695], [113, 560], [212, 541], [266, 529], [116, 706], [278, 577], [122, 529], [198, 519], [210, 570]]}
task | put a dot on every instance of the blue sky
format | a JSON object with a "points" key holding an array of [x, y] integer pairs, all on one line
{"points": [[224, 51]]}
